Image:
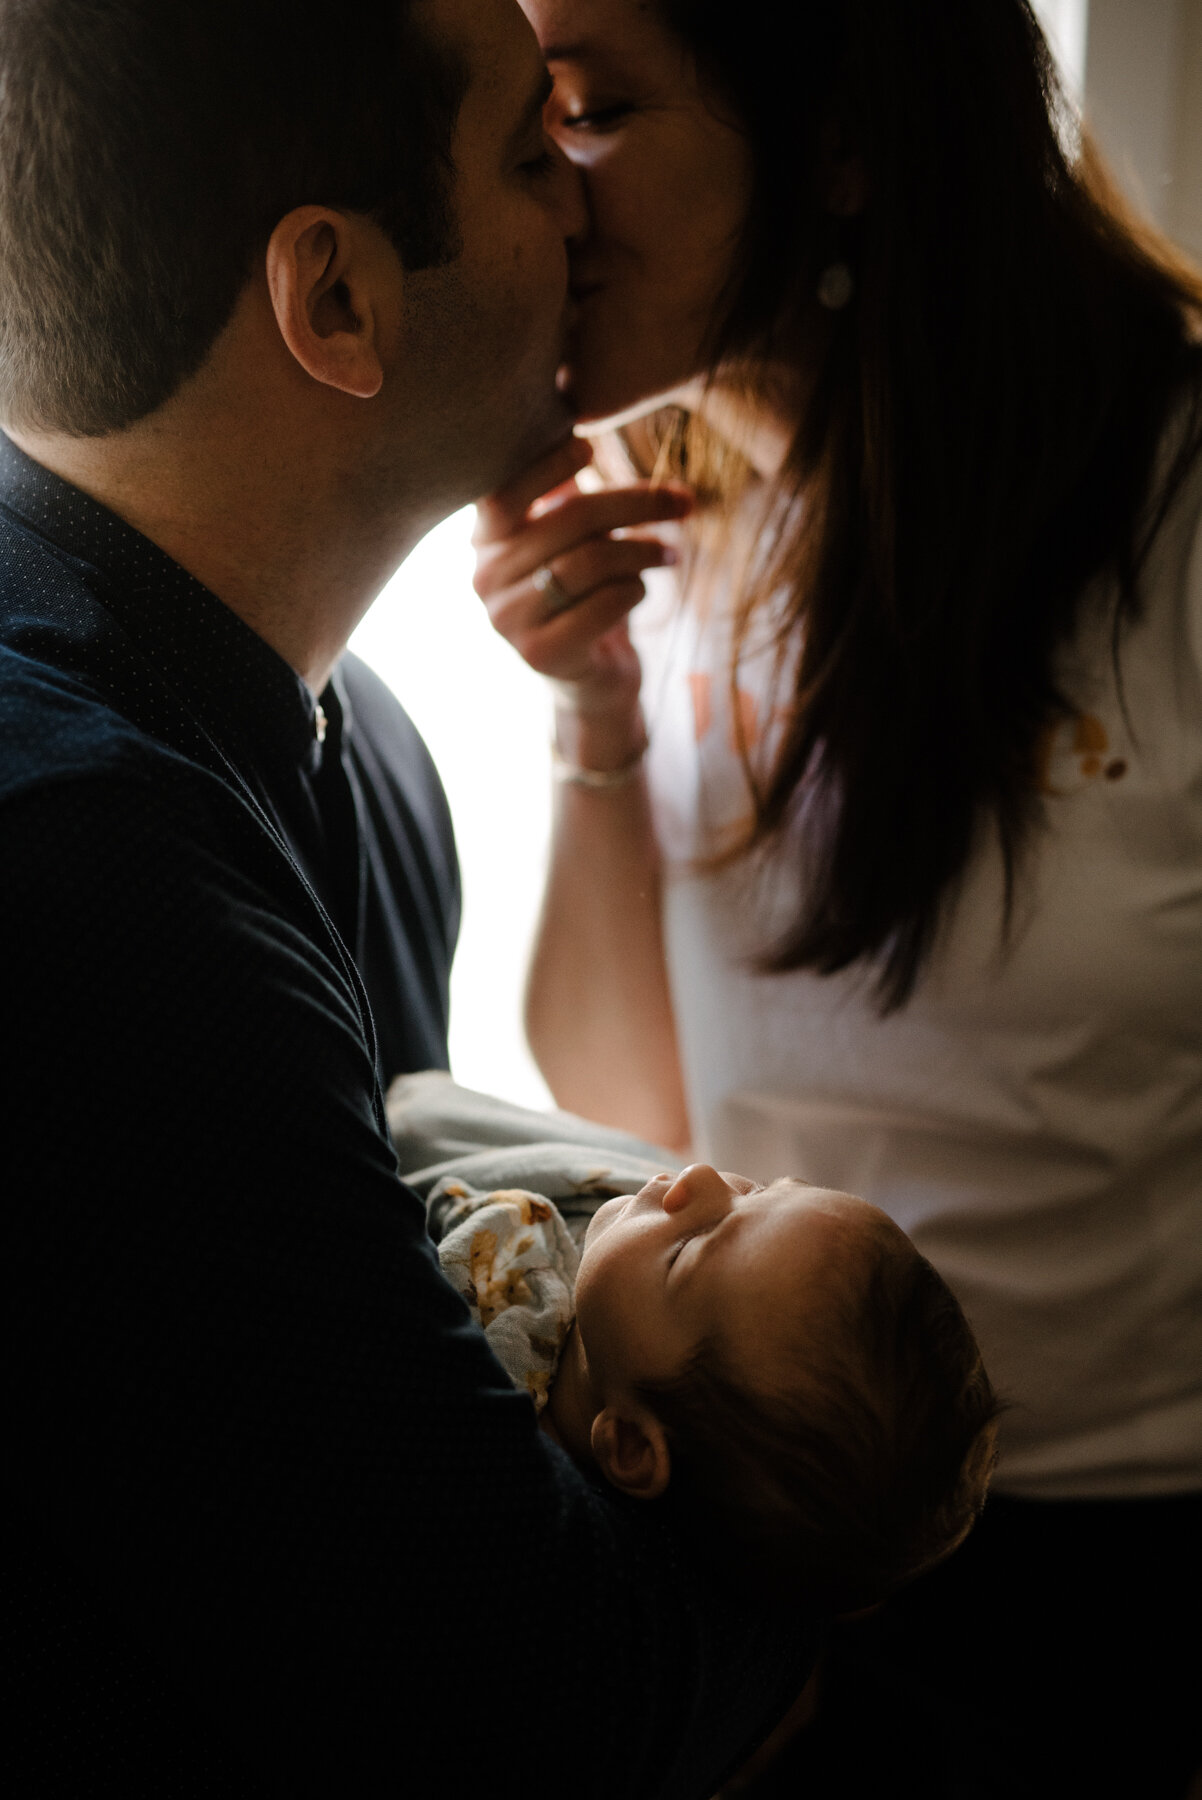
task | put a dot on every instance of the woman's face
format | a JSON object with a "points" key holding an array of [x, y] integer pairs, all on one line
{"points": [[668, 176]]}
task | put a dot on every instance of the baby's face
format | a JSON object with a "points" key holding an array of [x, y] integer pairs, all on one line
{"points": [[704, 1253]]}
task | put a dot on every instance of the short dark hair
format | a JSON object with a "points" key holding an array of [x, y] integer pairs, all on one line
{"points": [[866, 1465], [147, 151]]}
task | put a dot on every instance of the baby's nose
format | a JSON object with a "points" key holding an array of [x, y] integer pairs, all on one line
{"points": [[699, 1184]]}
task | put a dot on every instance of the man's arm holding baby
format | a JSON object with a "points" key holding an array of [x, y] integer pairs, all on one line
{"points": [[263, 1428]]}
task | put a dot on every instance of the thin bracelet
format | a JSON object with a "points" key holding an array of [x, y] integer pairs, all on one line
{"points": [[563, 770]]}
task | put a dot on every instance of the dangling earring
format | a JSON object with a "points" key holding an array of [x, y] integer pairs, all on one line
{"points": [[836, 285]]}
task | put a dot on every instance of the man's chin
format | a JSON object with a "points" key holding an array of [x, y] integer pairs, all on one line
{"points": [[554, 430]]}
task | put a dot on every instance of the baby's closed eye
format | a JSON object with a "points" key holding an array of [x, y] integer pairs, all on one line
{"points": [[679, 1245]]}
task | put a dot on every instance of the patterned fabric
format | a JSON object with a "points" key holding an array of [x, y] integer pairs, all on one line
{"points": [[454, 1144], [513, 1260]]}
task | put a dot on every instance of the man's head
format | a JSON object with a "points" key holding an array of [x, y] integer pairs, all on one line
{"points": [[803, 1375], [148, 151], [150, 154]]}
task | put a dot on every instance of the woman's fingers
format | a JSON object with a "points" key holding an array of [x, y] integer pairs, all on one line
{"points": [[553, 614], [560, 611], [501, 513], [559, 569], [566, 645], [573, 521], [523, 610], [596, 563]]}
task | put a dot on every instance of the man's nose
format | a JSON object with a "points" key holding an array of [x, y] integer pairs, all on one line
{"points": [[698, 1185]]}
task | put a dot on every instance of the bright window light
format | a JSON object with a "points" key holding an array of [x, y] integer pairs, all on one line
{"points": [[1065, 23], [487, 720]]}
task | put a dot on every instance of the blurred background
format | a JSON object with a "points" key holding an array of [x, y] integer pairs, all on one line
{"points": [[1134, 67]]}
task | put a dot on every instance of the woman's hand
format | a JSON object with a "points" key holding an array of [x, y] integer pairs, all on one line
{"points": [[598, 1011], [572, 627]]}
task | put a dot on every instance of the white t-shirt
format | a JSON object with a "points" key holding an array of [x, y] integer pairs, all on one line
{"points": [[1033, 1118]]}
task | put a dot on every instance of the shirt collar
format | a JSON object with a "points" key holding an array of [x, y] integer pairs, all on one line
{"points": [[240, 689]]}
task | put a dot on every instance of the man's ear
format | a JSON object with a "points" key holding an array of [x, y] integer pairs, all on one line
{"points": [[631, 1450], [320, 265]]}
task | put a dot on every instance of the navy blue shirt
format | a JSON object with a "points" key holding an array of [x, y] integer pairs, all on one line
{"points": [[346, 782], [281, 1523]]}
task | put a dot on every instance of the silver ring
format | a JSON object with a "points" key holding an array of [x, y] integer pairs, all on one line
{"points": [[555, 595]]}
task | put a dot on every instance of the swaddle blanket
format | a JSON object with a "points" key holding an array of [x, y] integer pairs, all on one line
{"points": [[453, 1144], [510, 1256], [512, 1253]]}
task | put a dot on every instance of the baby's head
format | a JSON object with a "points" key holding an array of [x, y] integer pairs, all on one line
{"points": [[797, 1369]]}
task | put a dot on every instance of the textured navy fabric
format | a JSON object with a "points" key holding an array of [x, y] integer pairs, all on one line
{"points": [[361, 809], [280, 1522]]}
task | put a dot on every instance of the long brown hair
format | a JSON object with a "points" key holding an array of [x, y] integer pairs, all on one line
{"points": [[977, 445]]}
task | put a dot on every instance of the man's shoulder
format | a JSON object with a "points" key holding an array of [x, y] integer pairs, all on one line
{"points": [[91, 800], [57, 719], [55, 728]]}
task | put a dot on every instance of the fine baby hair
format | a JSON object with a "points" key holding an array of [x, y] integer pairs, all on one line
{"points": [[864, 1457]]}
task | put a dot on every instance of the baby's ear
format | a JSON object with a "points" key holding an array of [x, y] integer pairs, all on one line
{"points": [[631, 1449]]}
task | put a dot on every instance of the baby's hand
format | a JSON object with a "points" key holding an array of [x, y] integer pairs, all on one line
{"points": [[557, 582]]}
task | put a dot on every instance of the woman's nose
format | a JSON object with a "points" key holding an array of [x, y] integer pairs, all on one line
{"points": [[698, 1185], [571, 207]]}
